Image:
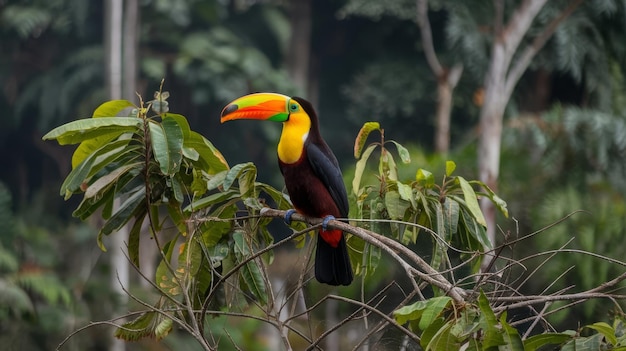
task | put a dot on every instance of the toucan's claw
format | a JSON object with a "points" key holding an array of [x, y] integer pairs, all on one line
{"points": [[288, 215], [326, 220]]}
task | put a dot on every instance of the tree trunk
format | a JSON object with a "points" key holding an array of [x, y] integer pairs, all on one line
{"points": [[113, 60], [444, 108], [445, 89], [447, 79], [503, 75], [130, 44], [491, 116]]}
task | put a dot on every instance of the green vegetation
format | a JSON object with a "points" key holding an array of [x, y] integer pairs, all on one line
{"points": [[215, 252]]}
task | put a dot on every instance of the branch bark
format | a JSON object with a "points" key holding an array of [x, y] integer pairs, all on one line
{"points": [[447, 80], [501, 79], [395, 249]]}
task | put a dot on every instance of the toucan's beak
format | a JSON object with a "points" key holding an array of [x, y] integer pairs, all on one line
{"points": [[263, 106]]}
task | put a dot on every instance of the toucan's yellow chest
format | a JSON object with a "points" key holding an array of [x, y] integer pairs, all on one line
{"points": [[295, 133]]}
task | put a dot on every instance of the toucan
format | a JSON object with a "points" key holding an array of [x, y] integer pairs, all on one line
{"points": [[312, 175]]}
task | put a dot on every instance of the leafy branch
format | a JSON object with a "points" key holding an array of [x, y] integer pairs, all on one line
{"points": [[215, 258]]}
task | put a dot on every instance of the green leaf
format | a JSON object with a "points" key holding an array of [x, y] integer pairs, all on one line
{"points": [[405, 191], [148, 324], [281, 199], [246, 174], [396, 207], [606, 330], [389, 165], [536, 341], [103, 199], [412, 312], [213, 199], [471, 201], [213, 231], [175, 135], [118, 108], [191, 257], [127, 153], [443, 339], [360, 167], [177, 188], [163, 328], [85, 129], [500, 204], [511, 336], [440, 248], [210, 159], [125, 212], [451, 211], [364, 257], [167, 143], [181, 121], [74, 181], [450, 167], [250, 272], [361, 138], [431, 332], [216, 180], [404, 154], [476, 232], [433, 310], [167, 283], [110, 179], [488, 322], [591, 343], [134, 237], [425, 178], [424, 311]]}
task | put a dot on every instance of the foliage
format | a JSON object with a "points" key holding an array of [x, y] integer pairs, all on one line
{"points": [[449, 212], [577, 169], [213, 264], [444, 326], [159, 170], [151, 164], [33, 298], [403, 9]]}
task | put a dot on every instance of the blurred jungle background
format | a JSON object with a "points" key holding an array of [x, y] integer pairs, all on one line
{"points": [[562, 147]]}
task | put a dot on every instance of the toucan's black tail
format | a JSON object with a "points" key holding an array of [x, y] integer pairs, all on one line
{"points": [[332, 265]]}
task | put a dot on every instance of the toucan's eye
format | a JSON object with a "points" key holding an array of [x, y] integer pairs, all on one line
{"points": [[293, 107]]}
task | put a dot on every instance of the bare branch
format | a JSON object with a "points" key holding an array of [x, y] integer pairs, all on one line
{"points": [[518, 26], [391, 247], [427, 39]]}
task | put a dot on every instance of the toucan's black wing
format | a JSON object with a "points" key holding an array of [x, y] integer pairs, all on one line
{"points": [[326, 168]]}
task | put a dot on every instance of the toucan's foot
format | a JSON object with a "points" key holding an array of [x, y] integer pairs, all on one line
{"points": [[288, 215], [326, 220]]}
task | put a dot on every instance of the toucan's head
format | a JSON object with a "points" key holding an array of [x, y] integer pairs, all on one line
{"points": [[262, 106], [298, 117]]}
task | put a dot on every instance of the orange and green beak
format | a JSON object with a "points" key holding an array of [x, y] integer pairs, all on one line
{"points": [[263, 106]]}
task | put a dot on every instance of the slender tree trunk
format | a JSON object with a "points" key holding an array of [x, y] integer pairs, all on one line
{"points": [[113, 59], [130, 44], [442, 128], [447, 79], [491, 119], [503, 74], [445, 90]]}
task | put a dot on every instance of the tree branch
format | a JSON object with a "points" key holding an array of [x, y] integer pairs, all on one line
{"points": [[518, 26], [391, 247], [522, 63], [427, 39]]}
